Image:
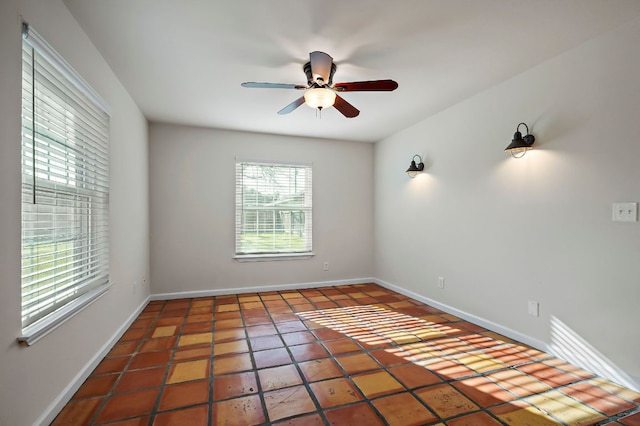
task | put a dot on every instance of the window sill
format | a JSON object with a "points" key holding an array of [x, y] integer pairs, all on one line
{"points": [[272, 257], [41, 328]]}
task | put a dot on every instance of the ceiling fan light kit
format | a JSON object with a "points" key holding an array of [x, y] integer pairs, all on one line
{"points": [[320, 92]]}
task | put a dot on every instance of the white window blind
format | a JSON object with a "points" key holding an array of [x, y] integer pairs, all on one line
{"points": [[273, 208], [65, 188]]}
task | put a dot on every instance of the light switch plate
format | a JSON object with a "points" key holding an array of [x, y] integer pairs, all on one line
{"points": [[625, 212]]}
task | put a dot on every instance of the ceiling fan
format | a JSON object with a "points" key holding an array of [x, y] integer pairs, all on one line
{"points": [[320, 92]]}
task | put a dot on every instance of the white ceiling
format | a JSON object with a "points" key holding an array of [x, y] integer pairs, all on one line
{"points": [[183, 61]]}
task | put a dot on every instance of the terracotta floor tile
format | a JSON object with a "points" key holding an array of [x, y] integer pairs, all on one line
{"points": [[563, 365], [446, 401], [271, 357], [169, 321], [598, 398], [164, 331], [565, 408], [342, 346], [219, 316], [227, 308], [547, 374], [150, 359], [134, 334], [320, 369], [334, 392], [279, 377], [475, 419], [195, 339], [449, 369], [96, 386], [287, 402], [414, 376], [184, 394], [376, 384], [480, 362], [245, 411], [616, 389], [310, 420], [357, 414], [131, 404], [190, 354], [123, 348], [194, 416], [403, 409], [631, 420], [138, 421], [159, 344], [357, 363], [291, 326], [265, 342], [261, 330], [230, 334], [111, 365], [77, 412], [308, 351], [298, 338], [518, 413], [327, 334], [389, 357], [141, 379], [227, 323], [234, 347], [234, 385], [187, 371], [518, 383], [257, 320], [483, 391], [198, 327], [232, 364]]}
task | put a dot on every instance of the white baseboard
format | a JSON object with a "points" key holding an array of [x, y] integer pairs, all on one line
{"points": [[607, 369], [255, 289], [65, 396]]}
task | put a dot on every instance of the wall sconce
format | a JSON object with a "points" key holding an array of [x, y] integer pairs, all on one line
{"points": [[520, 144], [414, 168]]}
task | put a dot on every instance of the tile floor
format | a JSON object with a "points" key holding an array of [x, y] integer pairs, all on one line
{"points": [[349, 355]]}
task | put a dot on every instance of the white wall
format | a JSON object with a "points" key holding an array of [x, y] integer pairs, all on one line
{"points": [[192, 172], [34, 378], [503, 231]]}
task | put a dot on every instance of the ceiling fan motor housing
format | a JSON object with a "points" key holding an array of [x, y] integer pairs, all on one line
{"points": [[320, 83]]}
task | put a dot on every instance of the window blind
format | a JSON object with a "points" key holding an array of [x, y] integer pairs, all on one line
{"points": [[65, 185], [273, 208]]}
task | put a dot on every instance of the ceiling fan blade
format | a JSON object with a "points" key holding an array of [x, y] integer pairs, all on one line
{"points": [[345, 108], [293, 105], [253, 84], [367, 86], [321, 64]]}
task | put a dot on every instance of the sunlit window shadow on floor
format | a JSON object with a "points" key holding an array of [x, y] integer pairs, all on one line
{"points": [[519, 384]]}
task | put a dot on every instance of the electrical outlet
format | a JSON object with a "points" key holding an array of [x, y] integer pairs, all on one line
{"points": [[325, 266], [534, 308], [625, 212], [440, 282]]}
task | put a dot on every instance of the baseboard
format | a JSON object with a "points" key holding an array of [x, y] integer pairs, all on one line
{"points": [[65, 396], [611, 372], [255, 289]]}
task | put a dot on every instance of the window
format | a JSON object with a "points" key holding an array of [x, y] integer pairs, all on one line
{"points": [[273, 210], [65, 190]]}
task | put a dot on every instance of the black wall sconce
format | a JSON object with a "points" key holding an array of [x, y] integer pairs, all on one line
{"points": [[414, 168], [520, 144]]}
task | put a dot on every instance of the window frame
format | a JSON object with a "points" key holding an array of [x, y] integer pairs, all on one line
{"points": [[241, 255], [65, 187]]}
